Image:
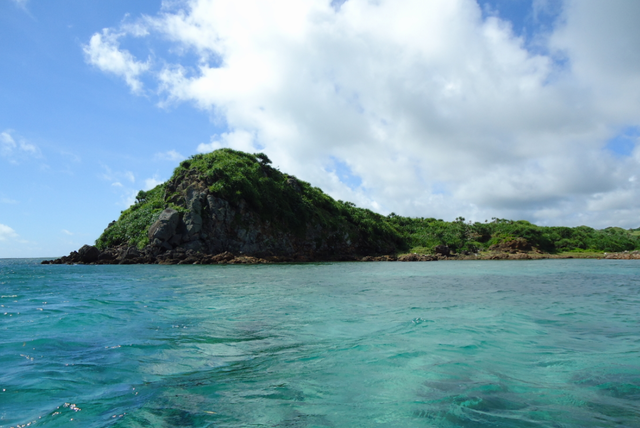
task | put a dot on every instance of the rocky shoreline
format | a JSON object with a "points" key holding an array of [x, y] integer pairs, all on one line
{"points": [[131, 255]]}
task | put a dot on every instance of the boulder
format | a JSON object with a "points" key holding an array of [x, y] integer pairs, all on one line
{"points": [[88, 254], [165, 227], [130, 253]]}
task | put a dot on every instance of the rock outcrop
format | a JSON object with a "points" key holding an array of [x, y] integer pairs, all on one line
{"points": [[231, 207], [625, 255], [513, 246]]}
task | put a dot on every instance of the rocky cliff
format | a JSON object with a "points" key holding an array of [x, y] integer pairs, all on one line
{"points": [[229, 205]]}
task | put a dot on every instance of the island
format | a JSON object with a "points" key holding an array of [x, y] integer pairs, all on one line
{"points": [[232, 207]]}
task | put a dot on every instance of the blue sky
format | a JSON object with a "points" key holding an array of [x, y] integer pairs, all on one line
{"points": [[497, 108], [86, 126]]}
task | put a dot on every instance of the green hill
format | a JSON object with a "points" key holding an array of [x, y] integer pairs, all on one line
{"points": [[234, 201], [240, 194]]}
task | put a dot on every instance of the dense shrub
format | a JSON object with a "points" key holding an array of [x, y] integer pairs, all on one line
{"points": [[460, 236], [133, 224]]}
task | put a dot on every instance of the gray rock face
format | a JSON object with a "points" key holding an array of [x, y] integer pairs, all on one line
{"points": [[165, 227], [193, 223], [130, 253], [193, 219], [211, 224]]}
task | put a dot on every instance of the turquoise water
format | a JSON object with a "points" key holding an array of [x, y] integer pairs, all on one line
{"points": [[548, 343]]}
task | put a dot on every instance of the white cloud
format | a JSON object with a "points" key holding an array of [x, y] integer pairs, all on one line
{"points": [[7, 144], [117, 176], [152, 182], [170, 155], [8, 201], [66, 232], [103, 52], [239, 140], [12, 149], [436, 110], [128, 198], [7, 233]]}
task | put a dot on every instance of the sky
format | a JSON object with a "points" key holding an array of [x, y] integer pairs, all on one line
{"points": [[519, 109]]}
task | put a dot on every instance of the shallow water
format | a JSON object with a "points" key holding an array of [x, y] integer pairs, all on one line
{"points": [[545, 343]]}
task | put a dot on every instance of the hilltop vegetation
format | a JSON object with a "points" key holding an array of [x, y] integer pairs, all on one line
{"points": [[279, 199], [294, 206]]}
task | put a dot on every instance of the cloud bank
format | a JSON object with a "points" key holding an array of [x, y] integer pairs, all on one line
{"points": [[422, 108], [7, 233]]}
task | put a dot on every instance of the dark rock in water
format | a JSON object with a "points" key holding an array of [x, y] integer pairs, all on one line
{"points": [[88, 254]]}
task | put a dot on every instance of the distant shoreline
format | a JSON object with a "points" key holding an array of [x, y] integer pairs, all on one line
{"points": [[192, 257]]}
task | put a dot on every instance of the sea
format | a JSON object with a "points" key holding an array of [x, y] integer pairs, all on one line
{"points": [[540, 343]]}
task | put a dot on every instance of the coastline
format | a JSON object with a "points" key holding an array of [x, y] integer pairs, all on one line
{"points": [[129, 255]]}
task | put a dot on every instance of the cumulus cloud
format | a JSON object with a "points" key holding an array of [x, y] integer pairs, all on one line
{"points": [[170, 155], [240, 140], [7, 233], [103, 52], [152, 182], [433, 109]]}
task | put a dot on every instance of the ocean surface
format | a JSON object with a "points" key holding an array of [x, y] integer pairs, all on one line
{"points": [[544, 343]]}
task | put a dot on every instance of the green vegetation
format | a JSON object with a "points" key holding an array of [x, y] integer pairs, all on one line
{"points": [[294, 205], [133, 224], [280, 198], [425, 233], [283, 200]]}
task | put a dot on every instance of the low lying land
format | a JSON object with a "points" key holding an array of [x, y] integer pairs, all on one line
{"points": [[234, 207]]}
